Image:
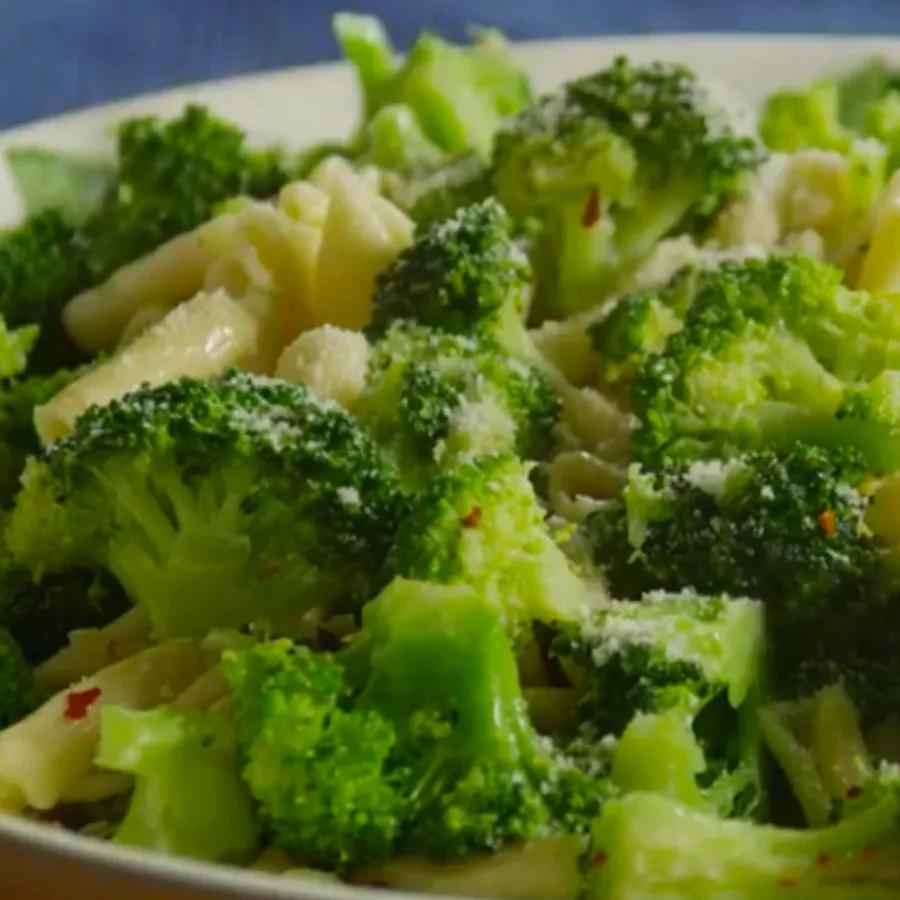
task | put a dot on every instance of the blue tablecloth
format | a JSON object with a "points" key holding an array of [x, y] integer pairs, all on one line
{"points": [[60, 54]]}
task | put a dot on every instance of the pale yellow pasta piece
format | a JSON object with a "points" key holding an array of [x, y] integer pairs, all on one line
{"points": [[304, 202], [200, 338], [331, 362], [880, 269], [579, 481], [363, 233], [92, 649], [545, 869], [565, 344], [173, 272], [48, 754]]}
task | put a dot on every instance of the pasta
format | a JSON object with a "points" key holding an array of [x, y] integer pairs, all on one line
{"points": [[201, 338], [44, 757]]}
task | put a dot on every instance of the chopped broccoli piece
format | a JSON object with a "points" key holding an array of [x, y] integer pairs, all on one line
{"points": [[464, 276], [40, 615], [395, 140], [883, 123], [438, 194], [416, 740], [787, 528], [17, 693], [797, 119], [435, 399], [458, 95], [610, 165], [18, 437], [679, 662], [859, 88], [767, 351], [649, 847], [481, 524], [638, 326], [214, 503], [188, 798], [15, 345]]}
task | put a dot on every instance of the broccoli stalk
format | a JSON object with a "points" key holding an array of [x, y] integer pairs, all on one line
{"points": [[414, 740], [213, 503], [646, 846], [609, 166], [188, 798]]}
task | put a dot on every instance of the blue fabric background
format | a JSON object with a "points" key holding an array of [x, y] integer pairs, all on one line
{"points": [[60, 54]]}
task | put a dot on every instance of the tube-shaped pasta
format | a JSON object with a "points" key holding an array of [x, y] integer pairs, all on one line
{"points": [[49, 753], [362, 234], [200, 338], [175, 271], [92, 649]]}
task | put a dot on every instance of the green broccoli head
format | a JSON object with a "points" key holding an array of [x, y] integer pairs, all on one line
{"points": [[610, 165], [481, 524], [435, 399], [648, 847], [17, 693], [188, 798], [214, 503], [415, 740], [795, 120], [464, 275], [458, 95], [784, 527], [675, 658], [40, 615], [638, 326], [766, 353]]}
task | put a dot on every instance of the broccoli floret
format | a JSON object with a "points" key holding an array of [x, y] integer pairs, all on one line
{"points": [[15, 345], [434, 399], [213, 503], [458, 95], [657, 669], [786, 528], [464, 276], [767, 352], [638, 325], [609, 166], [416, 740], [436, 195], [18, 438], [481, 524], [40, 615], [795, 120], [648, 847], [188, 798], [17, 693], [394, 139]]}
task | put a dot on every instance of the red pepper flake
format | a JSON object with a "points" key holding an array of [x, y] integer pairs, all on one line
{"points": [[828, 523], [786, 882], [823, 859], [471, 518], [79, 702], [591, 214], [854, 792], [268, 568], [867, 853], [598, 859]]}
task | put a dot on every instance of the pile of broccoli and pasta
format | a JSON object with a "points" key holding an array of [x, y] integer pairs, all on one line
{"points": [[504, 501]]}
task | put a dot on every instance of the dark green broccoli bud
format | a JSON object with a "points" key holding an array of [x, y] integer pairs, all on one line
{"points": [[648, 847], [18, 438], [458, 95], [434, 399], [40, 615], [767, 351], [481, 524], [189, 798], [696, 657], [214, 503], [638, 325], [17, 693], [414, 740], [464, 276], [610, 165], [786, 528]]}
